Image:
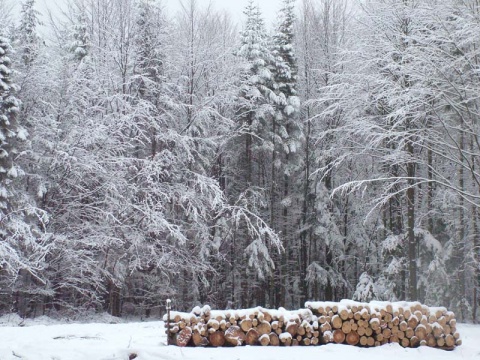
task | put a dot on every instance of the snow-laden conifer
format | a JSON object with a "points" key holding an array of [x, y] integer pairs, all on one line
{"points": [[256, 94], [23, 243], [28, 38], [285, 74], [81, 37], [366, 290], [10, 131], [149, 45]]}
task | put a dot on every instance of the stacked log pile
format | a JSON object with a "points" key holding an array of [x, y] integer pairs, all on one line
{"points": [[347, 322], [378, 323]]}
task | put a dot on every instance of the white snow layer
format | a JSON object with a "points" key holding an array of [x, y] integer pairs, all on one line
{"points": [[42, 340]]}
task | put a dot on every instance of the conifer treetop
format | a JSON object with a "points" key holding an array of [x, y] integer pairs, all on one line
{"points": [[29, 38]]}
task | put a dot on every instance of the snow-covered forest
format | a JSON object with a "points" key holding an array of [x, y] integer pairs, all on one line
{"points": [[147, 154]]}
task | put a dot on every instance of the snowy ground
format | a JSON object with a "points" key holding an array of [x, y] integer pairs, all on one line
{"points": [[45, 339]]}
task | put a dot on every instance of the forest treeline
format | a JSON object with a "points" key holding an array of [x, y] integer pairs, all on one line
{"points": [[146, 155]]}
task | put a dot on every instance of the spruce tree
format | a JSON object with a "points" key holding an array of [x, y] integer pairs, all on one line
{"points": [[254, 112], [28, 37], [285, 60], [149, 57], [254, 100], [23, 245], [9, 129], [81, 38], [287, 136], [285, 70]]}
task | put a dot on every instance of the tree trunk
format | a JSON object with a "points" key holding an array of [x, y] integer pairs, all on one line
{"points": [[113, 299], [412, 243], [461, 231]]}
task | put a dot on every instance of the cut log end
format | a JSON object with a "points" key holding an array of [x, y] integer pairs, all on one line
{"points": [[338, 336], [352, 338], [264, 340], [274, 340], [217, 339], [234, 336], [252, 337]]}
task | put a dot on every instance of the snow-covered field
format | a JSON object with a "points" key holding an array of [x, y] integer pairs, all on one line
{"points": [[44, 339]]}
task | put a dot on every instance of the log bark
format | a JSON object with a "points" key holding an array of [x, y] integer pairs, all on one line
{"points": [[184, 336]]}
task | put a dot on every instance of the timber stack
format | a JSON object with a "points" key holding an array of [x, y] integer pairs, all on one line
{"points": [[409, 324]]}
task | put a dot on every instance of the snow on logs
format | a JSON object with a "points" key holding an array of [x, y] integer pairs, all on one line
{"points": [[409, 324]]}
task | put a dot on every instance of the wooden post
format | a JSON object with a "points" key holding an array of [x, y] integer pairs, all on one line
{"points": [[169, 334]]}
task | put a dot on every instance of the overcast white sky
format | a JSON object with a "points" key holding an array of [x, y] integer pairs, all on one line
{"points": [[235, 7]]}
